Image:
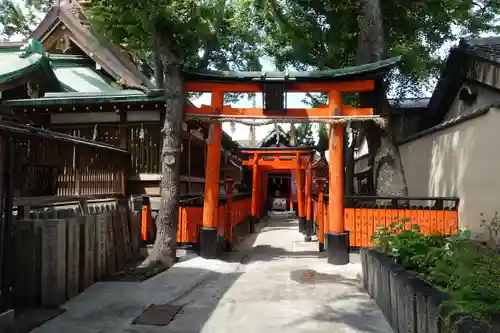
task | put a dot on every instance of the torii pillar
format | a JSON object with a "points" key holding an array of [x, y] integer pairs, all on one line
{"points": [[320, 185], [337, 239], [308, 203], [255, 194], [208, 230], [300, 197]]}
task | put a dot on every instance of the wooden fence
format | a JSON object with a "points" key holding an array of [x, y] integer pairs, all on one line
{"points": [[62, 250], [46, 163], [229, 218], [232, 219], [363, 214], [37, 168], [143, 142]]}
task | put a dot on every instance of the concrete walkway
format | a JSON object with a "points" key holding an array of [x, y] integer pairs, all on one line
{"points": [[281, 285]]}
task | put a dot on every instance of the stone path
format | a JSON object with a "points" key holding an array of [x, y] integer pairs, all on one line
{"points": [[281, 285]]}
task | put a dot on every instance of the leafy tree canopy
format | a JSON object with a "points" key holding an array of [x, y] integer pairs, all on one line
{"points": [[214, 34], [312, 34], [304, 135], [319, 34], [16, 19]]}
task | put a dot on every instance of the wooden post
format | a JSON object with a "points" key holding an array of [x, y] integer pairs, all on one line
{"points": [[300, 197], [76, 168], [8, 253], [337, 240], [208, 231], [308, 202], [291, 192], [229, 203], [189, 163], [259, 194], [146, 219], [265, 194], [255, 198], [320, 184], [123, 130]]}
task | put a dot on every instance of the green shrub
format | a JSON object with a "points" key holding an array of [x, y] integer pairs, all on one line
{"points": [[466, 269]]}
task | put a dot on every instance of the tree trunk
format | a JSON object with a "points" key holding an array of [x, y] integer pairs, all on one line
{"points": [[293, 135], [387, 170], [387, 174], [159, 72], [166, 224]]}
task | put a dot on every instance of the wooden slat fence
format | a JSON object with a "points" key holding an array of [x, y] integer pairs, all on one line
{"points": [[65, 245], [47, 163], [191, 216], [40, 167], [363, 214]]}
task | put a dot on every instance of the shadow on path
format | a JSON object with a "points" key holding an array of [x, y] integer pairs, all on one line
{"points": [[198, 286], [355, 310], [112, 306]]}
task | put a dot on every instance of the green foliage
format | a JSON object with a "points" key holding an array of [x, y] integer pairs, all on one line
{"points": [[216, 34], [304, 135], [320, 34], [16, 19], [322, 132], [465, 269]]}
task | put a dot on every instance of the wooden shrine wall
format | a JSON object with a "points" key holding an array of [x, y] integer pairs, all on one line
{"points": [[143, 141], [49, 168]]}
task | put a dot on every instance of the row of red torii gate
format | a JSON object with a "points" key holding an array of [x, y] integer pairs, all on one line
{"points": [[215, 221], [274, 87]]}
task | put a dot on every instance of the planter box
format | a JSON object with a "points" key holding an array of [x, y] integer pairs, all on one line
{"points": [[409, 304]]}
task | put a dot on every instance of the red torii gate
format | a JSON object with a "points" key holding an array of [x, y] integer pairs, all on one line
{"points": [[293, 159], [274, 87]]}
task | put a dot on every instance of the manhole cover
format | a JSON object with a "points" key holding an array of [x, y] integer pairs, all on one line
{"points": [[158, 315]]}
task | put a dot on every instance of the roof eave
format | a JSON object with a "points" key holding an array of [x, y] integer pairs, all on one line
{"points": [[47, 22], [367, 71]]}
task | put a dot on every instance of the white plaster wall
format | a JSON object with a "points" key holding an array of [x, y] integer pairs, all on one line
{"points": [[462, 161]]}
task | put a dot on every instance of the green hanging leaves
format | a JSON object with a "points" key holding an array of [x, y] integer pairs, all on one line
{"points": [[217, 34], [319, 34]]}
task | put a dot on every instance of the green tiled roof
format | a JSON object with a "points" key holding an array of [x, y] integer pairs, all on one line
{"points": [[78, 74], [73, 98], [82, 79], [68, 72], [17, 62]]}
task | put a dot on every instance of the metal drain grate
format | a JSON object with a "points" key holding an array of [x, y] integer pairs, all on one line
{"points": [[158, 315]]}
